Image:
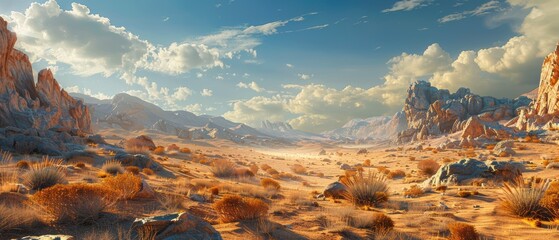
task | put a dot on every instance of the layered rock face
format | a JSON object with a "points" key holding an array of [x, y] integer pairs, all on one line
{"points": [[430, 111], [548, 93], [24, 104]]}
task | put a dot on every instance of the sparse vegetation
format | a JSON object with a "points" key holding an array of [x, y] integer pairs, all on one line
{"points": [[270, 183], [299, 169], [16, 217], [414, 191], [428, 166], [396, 174], [185, 150], [524, 200], [368, 190], [159, 150], [44, 174], [112, 167], [148, 171], [125, 185], [133, 169], [462, 231], [223, 169], [232, 208], [22, 164]]}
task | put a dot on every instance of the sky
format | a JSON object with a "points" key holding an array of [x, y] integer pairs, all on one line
{"points": [[313, 64]]}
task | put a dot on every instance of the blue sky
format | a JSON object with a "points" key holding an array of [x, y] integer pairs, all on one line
{"points": [[314, 64]]}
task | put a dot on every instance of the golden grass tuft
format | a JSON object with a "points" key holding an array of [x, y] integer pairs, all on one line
{"points": [[366, 190], [22, 164], [299, 169], [148, 171], [133, 169], [223, 169], [523, 200], [270, 183], [159, 150], [44, 174], [462, 231], [112, 167], [396, 174], [233, 208], [125, 185], [428, 166], [76, 203], [14, 217], [185, 150], [414, 191]]}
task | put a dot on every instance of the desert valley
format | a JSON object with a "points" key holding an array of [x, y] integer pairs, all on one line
{"points": [[448, 165]]}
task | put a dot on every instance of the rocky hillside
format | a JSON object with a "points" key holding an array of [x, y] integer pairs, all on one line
{"points": [[374, 128], [430, 111], [286, 131]]}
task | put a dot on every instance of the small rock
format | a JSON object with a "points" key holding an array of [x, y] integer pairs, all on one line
{"points": [[48, 237]]}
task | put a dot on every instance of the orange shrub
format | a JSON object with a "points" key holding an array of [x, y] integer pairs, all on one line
{"points": [[367, 163], [185, 150], [254, 168], [148, 171], [396, 174], [383, 169], [382, 223], [77, 203], [133, 169], [441, 188], [159, 150], [414, 191], [298, 169], [173, 147], [462, 231], [243, 172], [265, 167], [80, 165], [464, 194], [272, 171], [214, 190], [270, 183], [23, 164], [428, 166], [234, 208], [125, 185]]}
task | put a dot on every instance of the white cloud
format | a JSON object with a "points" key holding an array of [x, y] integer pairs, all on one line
{"points": [[407, 5], [252, 85], [180, 58], [219, 77], [289, 65], [206, 92], [98, 95], [303, 76], [181, 94], [480, 10], [166, 19], [194, 108]]}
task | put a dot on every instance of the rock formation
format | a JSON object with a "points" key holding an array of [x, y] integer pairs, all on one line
{"points": [[547, 101], [430, 111], [24, 104]]}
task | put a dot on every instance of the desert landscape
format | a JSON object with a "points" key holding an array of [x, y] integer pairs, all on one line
{"points": [[450, 164]]}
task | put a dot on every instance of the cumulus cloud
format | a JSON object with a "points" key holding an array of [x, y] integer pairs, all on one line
{"points": [[252, 85], [86, 91], [206, 92], [407, 5], [194, 108], [289, 65], [303, 76], [480, 10]]}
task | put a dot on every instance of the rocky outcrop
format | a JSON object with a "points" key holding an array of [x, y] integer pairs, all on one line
{"points": [[547, 101], [466, 169], [335, 190], [430, 111], [374, 128], [24, 104], [176, 226]]}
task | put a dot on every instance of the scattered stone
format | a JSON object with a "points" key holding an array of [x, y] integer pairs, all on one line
{"points": [[362, 151], [177, 226], [322, 152], [335, 190], [345, 166], [197, 197]]}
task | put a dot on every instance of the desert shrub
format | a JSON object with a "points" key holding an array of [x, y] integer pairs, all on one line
{"points": [[396, 174], [214, 190], [428, 166], [550, 199], [173, 147], [223, 169], [367, 190], [462, 231], [273, 172], [441, 188], [133, 169], [299, 169], [383, 170], [44, 174], [254, 168], [413, 191], [185, 150], [265, 167], [80, 165], [270, 183], [524, 200], [148, 171], [378, 222], [125, 185], [367, 163], [112, 167], [464, 194], [77, 203], [159, 150], [16, 217], [234, 208], [243, 172], [23, 164]]}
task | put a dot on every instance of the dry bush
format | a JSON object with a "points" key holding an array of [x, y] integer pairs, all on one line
{"points": [[22, 164], [243, 173], [464, 194], [524, 200], [367, 190], [270, 183], [299, 169], [396, 174], [378, 222], [125, 185], [185, 150], [223, 169], [44, 174], [441, 188], [414, 191], [16, 217], [80, 165], [300, 198], [159, 150], [234, 208], [112, 167], [272, 172], [214, 190], [133, 169], [148, 171], [254, 168], [383, 170], [173, 147], [462, 231], [490, 147], [367, 163], [428, 166], [550, 199], [77, 203], [265, 167]]}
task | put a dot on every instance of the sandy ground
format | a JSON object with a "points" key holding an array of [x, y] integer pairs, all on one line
{"points": [[415, 218]]}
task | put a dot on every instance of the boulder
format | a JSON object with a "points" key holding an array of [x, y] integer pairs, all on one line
{"points": [[345, 166], [177, 226], [335, 190], [362, 151], [140, 142], [147, 191], [138, 160], [547, 101], [48, 237], [465, 169], [504, 148]]}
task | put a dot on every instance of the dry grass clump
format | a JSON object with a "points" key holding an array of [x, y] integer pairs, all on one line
{"points": [[22, 164], [44, 174], [383, 170], [76, 203], [16, 217], [378, 222], [464, 194], [368, 190], [254, 168], [441, 188], [173, 147], [524, 200], [270, 183], [550, 199], [243, 173], [148, 171], [428, 166], [462, 231], [80, 165], [159, 150], [396, 174], [125, 185], [233, 208], [367, 163], [214, 190], [223, 169], [185, 150], [112, 167], [299, 169], [133, 169], [414, 191]]}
